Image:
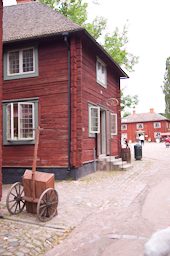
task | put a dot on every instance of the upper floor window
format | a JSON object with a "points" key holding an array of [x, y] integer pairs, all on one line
{"points": [[124, 127], [139, 126], [157, 125], [113, 119], [20, 63], [101, 73], [20, 121]]}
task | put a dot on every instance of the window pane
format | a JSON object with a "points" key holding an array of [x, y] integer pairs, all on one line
{"points": [[139, 126], [14, 62], [113, 124], [26, 120], [9, 121], [28, 60], [94, 119], [101, 73], [15, 120]]}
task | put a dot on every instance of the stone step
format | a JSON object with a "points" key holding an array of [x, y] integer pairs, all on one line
{"points": [[112, 163], [126, 166], [119, 162]]}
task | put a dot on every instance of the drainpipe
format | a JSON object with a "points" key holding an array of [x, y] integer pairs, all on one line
{"points": [[66, 40]]}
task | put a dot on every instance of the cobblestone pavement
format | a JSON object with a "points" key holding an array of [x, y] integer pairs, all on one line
{"points": [[99, 207]]}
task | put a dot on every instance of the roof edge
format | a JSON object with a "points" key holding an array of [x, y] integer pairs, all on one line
{"points": [[41, 36], [107, 54]]}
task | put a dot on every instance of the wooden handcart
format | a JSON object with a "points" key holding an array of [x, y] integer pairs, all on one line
{"points": [[36, 192]]}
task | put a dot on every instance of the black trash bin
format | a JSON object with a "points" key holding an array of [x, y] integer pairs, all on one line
{"points": [[138, 151]]}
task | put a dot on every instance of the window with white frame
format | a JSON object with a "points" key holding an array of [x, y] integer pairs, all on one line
{"points": [[94, 119], [101, 73], [157, 125], [20, 63], [157, 134], [139, 126], [20, 120], [124, 127], [113, 124]]}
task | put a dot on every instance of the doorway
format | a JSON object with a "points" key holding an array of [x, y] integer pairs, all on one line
{"points": [[102, 134]]}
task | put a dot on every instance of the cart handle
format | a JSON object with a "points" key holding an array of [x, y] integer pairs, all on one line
{"points": [[37, 134]]}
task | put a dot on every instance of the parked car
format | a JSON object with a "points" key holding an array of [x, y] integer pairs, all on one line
{"points": [[167, 142]]}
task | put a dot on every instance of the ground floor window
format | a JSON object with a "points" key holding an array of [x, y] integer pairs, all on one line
{"points": [[113, 120], [94, 119], [20, 118]]}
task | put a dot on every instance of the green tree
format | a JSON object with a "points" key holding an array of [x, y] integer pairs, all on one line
{"points": [[115, 43], [166, 88], [51, 3], [96, 27], [128, 102], [76, 10]]}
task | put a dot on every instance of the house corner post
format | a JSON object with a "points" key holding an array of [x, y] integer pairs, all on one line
{"points": [[66, 38], [1, 32]]}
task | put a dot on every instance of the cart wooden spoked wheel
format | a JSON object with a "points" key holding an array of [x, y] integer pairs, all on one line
{"points": [[15, 201], [36, 191], [47, 204]]}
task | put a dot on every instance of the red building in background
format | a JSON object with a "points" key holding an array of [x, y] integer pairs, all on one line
{"points": [[1, 13], [151, 125]]}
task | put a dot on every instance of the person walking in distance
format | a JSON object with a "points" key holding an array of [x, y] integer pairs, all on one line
{"points": [[141, 138]]}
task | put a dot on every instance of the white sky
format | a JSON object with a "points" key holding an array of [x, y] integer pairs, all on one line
{"points": [[149, 38]]}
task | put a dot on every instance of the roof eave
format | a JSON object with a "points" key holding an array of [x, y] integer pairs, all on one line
{"points": [[122, 73], [41, 36], [120, 70]]}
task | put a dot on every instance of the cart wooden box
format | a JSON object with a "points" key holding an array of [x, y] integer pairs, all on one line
{"points": [[42, 182], [36, 191]]}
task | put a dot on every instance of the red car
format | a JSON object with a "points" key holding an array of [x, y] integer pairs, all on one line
{"points": [[167, 141]]}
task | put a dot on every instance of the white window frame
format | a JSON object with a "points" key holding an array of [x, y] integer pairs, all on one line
{"points": [[124, 129], [20, 138], [155, 125], [111, 123], [137, 126], [157, 135], [21, 72], [101, 78], [91, 130]]}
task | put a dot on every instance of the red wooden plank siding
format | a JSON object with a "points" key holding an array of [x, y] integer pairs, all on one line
{"points": [[51, 89], [96, 94]]}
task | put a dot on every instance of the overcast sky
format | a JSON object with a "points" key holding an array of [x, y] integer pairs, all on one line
{"points": [[149, 38]]}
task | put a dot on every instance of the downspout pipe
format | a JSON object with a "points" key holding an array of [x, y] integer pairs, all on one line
{"points": [[67, 42]]}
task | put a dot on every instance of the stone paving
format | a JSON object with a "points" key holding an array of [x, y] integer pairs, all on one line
{"points": [[23, 234]]}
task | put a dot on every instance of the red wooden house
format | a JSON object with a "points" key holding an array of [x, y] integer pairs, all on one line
{"points": [[58, 77], [151, 125], [1, 14]]}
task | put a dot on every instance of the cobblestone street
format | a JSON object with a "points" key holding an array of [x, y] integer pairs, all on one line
{"points": [[105, 213]]}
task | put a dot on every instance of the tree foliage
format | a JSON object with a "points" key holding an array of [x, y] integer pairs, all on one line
{"points": [[127, 102], [166, 88], [76, 10], [50, 3], [96, 27], [115, 43]]}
